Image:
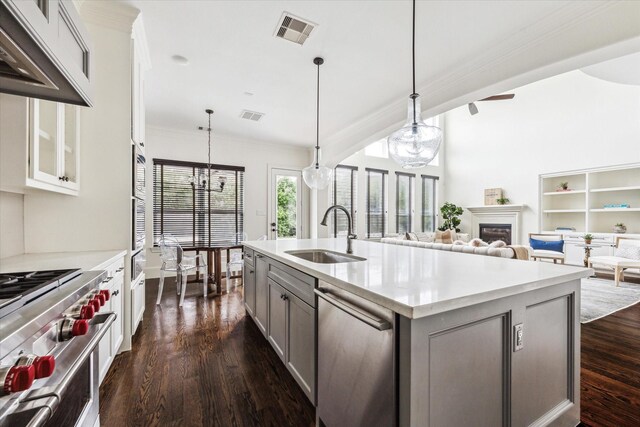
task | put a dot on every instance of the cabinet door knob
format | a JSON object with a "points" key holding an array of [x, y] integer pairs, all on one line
{"points": [[142, 144], [61, 178], [66, 178]]}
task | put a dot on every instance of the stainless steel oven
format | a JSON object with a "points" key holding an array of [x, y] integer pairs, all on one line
{"points": [[137, 264], [139, 170], [138, 213]]}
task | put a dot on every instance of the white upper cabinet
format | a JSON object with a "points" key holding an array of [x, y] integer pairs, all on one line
{"points": [[53, 144], [139, 64], [41, 145]]}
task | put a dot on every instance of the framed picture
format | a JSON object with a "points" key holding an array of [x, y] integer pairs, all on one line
{"points": [[491, 196]]}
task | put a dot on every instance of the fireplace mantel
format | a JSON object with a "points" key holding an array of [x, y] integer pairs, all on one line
{"points": [[495, 208], [497, 214]]}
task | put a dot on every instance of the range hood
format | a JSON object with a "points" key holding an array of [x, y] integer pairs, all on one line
{"points": [[44, 51]]}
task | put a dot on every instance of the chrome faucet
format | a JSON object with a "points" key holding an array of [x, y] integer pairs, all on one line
{"points": [[350, 235]]}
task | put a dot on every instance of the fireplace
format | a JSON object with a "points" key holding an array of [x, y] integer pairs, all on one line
{"points": [[492, 232]]}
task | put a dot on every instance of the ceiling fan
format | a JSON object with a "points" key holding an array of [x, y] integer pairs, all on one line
{"points": [[474, 110]]}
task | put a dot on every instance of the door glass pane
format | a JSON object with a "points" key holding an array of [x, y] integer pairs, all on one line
{"points": [[344, 194], [403, 206], [287, 202], [47, 137], [428, 204], [70, 142], [376, 209]]}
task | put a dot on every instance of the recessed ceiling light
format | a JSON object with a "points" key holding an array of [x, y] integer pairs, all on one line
{"points": [[248, 93], [179, 59]]}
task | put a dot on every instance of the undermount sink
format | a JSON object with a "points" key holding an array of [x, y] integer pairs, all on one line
{"points": [[323, 256]]}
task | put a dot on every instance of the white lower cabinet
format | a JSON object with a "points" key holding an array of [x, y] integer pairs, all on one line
{"points": [[109, 346], [137, 304]]}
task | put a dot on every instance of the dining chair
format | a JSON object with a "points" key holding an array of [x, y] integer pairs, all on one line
{"points": [[235, 261], [547, 246], [174, 260]]}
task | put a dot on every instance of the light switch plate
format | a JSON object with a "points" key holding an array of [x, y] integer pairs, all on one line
{"points": [[518, 337]]}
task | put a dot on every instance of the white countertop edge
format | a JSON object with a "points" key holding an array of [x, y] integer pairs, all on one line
{"points": [[432, 308], [85, 260]]}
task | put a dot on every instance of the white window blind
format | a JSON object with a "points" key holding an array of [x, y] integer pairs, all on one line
{"points": [[429, 202], [345, 193], [376, 203], [193, 215], [404, 202]]}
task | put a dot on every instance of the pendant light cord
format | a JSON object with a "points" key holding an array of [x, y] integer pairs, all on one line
{"points": [[318, 119], [414, 95], [209, 153]]}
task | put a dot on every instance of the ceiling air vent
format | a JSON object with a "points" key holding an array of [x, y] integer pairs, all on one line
{"points": [[251, 115], [294, 29]]}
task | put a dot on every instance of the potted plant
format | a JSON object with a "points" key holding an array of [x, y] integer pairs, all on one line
{"points": [[564, 186], [620, 228], [503, 200], [450, 214], [588, 238]]}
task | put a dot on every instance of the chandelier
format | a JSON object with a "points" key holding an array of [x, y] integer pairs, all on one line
{"points": [[200, 181]]}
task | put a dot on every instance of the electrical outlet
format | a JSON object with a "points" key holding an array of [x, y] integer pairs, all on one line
{"points": [[518, 337]]}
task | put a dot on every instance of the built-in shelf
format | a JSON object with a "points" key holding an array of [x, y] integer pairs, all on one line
{"points": [[616, 210], [558, 193], [600, 190], [564, 211]]}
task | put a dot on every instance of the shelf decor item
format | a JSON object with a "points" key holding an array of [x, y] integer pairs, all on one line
{"points": [[317, 176], [588, 238], [617, 206], [503, 201], [491, 196], [563, 186], [620, 228], [416, 144]]}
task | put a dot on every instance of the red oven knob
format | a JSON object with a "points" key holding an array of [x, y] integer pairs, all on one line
{"points": [[18, 378], [100, 298], [106, 294], [70, 328], [80, 327], [87, 312], [95, 303], [44, 366]]}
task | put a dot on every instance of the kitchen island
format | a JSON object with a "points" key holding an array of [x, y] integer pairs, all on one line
{"points": [[454, 339]]}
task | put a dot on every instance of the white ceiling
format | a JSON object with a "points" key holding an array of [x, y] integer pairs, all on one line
{"points": [[625, 70], [231, 50]]}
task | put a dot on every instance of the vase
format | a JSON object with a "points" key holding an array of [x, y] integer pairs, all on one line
{"points": [[620, 229], [588, 242]]}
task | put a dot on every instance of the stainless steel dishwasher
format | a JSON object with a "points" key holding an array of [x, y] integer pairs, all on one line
{"points": [[356, 368]]}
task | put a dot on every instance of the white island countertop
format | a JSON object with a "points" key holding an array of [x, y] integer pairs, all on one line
{"points": [[418, 282], [85, 260]]}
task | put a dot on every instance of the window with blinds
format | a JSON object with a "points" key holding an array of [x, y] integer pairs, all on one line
{"points": [[404, 202], [376, 203], [194, 216], [429, 202], [345, 193]]}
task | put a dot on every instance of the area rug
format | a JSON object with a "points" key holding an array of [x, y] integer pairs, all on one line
{"points": [[601, 297]]}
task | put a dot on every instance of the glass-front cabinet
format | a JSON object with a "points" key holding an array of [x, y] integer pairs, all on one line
{"points": [[54, 141]]}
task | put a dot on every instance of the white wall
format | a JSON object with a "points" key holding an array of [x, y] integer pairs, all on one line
{"points": [[255, 156], [98, 219], [11, 224], [571, 121], [360, 160]]}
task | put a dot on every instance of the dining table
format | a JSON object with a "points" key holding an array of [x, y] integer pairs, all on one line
{"points": [[214, 258]]}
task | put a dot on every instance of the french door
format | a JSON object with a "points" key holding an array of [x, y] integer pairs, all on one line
{"points": [[285, 216]]}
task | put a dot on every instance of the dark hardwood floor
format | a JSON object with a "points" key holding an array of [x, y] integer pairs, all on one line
{"points": [[204, 365], [208, 365], [610, 374]]}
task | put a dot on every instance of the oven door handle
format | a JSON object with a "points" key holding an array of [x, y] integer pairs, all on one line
{"points": [[59, 389], [64, 383]]}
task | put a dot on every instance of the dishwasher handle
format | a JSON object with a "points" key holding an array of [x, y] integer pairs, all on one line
{"points": [[357, 312]]}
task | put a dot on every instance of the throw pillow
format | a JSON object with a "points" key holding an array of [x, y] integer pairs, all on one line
{"points": [[497, 244], [424, 237], [411, 236], [627, 251], [554, 245], [447, 236]]}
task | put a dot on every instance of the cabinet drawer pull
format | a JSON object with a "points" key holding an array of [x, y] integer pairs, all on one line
{"points": [[115, 293], [119, 269], [108, 279]]}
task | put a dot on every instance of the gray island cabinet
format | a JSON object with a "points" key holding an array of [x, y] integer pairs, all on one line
{"points": [[418, 337]]}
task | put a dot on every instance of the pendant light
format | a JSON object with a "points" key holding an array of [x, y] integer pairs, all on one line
{"points": [[416, 144], [315, 175], [200, 182]]}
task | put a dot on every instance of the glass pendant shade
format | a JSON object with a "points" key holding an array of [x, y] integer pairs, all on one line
{"points": [[317, 176], [416, 144]]}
